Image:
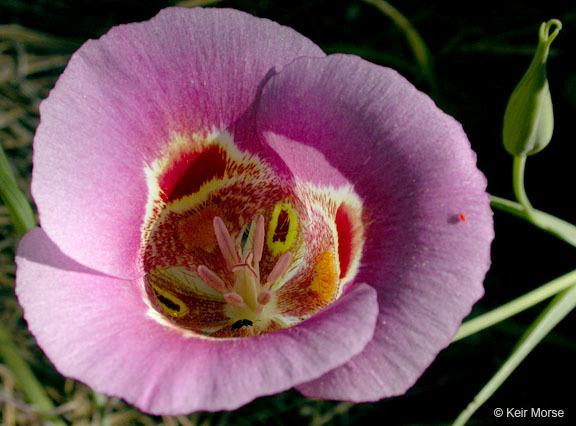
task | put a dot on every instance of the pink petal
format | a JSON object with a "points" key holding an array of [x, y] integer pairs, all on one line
{"points": [[96, 329], [119, 101], [340, 119]]}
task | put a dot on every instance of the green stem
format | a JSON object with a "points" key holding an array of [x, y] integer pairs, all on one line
{"points": [[517, 305], [26, 379], [20, 211], [519, 189], [557, 227], [556, 310]]}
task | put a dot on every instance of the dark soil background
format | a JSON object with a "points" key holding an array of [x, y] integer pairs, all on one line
{"points": [[480, 51]]}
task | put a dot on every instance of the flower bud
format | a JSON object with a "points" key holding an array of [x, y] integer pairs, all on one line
{"points": [[529, 118]]}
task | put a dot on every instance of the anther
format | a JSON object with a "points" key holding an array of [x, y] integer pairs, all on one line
{"points": [[258, 245], [264, 298], [280, 268], [234, 299], [210, 278], [225, 242]]}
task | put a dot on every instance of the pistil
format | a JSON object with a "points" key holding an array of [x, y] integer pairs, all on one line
{"points": [[247, 290]]}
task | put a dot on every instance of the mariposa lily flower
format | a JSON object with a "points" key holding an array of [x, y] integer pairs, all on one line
{"points": [[226, 212]]}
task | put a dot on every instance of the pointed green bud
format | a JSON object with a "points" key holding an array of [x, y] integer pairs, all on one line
{"points": [[529, 118]]}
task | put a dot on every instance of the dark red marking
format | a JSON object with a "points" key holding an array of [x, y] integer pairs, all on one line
{"points": [[344, 229], [282, 227], [190, 172], [462, 217]]}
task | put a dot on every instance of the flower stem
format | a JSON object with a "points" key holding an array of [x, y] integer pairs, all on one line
{"points": [[556, 310], [517, 305], [557, 227], [519, 189]]}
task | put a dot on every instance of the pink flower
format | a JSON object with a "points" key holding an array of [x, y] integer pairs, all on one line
{"points": [[226, 212]]}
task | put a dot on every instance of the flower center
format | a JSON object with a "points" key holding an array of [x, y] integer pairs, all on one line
{"points": [[246, 291], [241, 252]]}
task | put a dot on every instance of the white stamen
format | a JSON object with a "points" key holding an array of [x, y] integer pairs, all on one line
{"points": [[247, 291]]}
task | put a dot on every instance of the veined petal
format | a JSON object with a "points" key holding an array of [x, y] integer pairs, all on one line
{"points": [[98, 329], [341, 119], [123, 99]]}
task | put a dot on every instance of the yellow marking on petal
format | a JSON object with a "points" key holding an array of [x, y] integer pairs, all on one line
{"points": [[312, 241], [196, 231], [282, 229], [325, 277], [328, 201], [170, 304]]}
